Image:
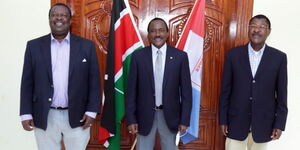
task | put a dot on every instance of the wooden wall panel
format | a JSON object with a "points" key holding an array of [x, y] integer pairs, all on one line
{"points": [[225, 24]]}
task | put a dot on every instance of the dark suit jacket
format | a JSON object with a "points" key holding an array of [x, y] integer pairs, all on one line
{"points": [[37, 83], [177, 91], [259, 102]]}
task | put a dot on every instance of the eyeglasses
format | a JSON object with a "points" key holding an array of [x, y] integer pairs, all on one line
{"points": [[59, 15], [262, 27]]}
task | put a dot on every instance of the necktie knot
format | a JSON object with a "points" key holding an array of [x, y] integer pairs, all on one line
{"points": [[158, 52]]}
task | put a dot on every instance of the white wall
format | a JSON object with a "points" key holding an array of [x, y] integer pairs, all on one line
{"points": [[20, 20], [26, 19], [285, 23]]}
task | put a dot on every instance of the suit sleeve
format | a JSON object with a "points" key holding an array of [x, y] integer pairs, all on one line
{"points": [[226, 86], [131, 92], [281, 91], [186, 92], [27, 85], [94, 101]]}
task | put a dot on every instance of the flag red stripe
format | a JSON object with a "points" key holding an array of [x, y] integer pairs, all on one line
{"points": [[103, 135], [198, 28], [124, 39]]}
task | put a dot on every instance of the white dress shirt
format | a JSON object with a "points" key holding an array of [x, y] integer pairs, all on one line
{"points": [[254, 58], [163, 50]]}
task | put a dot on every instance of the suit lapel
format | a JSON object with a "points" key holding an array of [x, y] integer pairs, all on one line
{"points": [[244, 59], [263, 62], [169, 57], [46, 51], [74, 48], [149, 65]]}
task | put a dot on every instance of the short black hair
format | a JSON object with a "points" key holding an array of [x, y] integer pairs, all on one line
{"points": [[260, 16], [60, 4], [160, 20]]}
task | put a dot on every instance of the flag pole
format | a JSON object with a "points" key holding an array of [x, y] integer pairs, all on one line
{"points": [[134, 143]]}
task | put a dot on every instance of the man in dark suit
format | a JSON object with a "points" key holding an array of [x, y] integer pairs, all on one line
{"points": [[60, 88], [253, 101], [159, 94]]}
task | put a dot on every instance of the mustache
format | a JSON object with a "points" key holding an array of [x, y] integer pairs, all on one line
{"points": [[157, 37], [256, 34]]}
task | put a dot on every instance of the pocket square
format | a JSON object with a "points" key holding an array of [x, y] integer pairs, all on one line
{"points": [[84, 60]]}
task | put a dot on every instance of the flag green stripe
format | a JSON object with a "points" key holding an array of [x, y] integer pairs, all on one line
{"points": [[115, 139], [120, 84]]}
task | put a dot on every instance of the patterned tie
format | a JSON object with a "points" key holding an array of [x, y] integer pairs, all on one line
{"points": [[158, 77]]}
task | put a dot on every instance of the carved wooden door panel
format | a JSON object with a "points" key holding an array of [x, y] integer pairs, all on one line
{"points": [[225, 24]]}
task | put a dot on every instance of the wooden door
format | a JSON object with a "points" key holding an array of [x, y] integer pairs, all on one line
{"points": [[226, 27]]}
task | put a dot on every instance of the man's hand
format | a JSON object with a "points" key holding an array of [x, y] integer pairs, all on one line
{"points": [[224, 129], [276, 134], [133, 128], [28, 125], [182, 128], [88, 121]]}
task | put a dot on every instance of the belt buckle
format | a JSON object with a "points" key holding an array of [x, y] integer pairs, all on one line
{"points": [[59, 108], [158, 107]]}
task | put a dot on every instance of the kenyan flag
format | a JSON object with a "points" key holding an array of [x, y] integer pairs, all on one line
{"points": [[123, 40]]}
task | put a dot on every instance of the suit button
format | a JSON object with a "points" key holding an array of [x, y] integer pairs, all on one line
{"points": [[49, 99], [251, 98], [249, 114], [253, 81], [52, 85]]}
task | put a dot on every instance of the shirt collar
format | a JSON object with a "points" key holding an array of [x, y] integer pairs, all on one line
{"points": [[163, 49], [66, 39], [254, 52]]}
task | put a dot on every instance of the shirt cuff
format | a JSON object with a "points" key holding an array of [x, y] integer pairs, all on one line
{"points": [[26, 117], [91, 114]]}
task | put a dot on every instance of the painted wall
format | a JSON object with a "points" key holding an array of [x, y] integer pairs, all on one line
{"points": [[27, 19], [285, 23], [21, 20]]}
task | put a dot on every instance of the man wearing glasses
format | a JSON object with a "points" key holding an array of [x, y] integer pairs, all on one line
{"points": [[253, 100]]}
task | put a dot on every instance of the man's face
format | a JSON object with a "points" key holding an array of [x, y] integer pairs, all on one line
{"points": [[60, 21], [158, 33], [258, 31]]}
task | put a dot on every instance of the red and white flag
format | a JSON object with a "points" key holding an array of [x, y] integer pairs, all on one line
{"points": [[191, 41]]}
